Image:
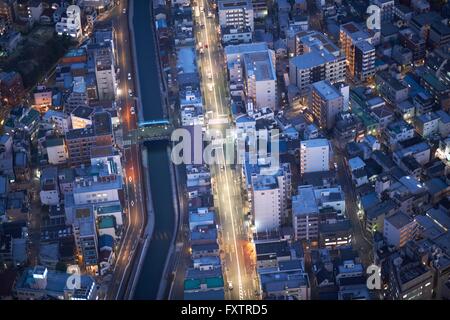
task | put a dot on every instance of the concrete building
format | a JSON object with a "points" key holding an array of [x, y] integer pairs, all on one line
{"points": [[399, 228], [39, 283], [236, 13], [105, 73], [261, 79], [314, 66], [253, 65], [427, 124], [266, 204], [326, 103], [59, 120], [86, 237], [359, 52], [56, 151], [232, 35], [409, 279], [307, 206], [314, 156], [96, 189], [70, 23], [78, 97], [81, 141], [49, 193]]}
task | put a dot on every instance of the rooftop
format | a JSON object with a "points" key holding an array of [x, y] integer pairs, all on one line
{"points": [[399, 219], [326, 90]]}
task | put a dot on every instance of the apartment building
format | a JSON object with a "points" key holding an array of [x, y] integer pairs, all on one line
{"points": [[326, 103], [359, 52], [236, 13], [314, 155], [318, 60]]}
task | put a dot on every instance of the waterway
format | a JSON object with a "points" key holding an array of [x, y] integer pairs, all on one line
{"points": [[158, 160]]}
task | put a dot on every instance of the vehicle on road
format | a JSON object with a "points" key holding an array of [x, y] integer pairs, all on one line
{"points": [[129, 76], [209, 75], [124, 10], [230, 285], [210, 86], [132, 110], [130, 92], [202, 8]]}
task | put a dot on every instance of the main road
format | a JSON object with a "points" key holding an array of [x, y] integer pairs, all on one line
{"points": [[233, 235], [136, 210]]}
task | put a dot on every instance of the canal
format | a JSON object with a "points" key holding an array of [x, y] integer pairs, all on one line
{"points": [[158, 159]]}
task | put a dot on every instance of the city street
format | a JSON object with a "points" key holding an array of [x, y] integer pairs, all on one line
{"points": [[228, 201], [360, 242]]}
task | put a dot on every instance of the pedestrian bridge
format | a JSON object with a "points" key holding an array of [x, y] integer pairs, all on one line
{"points": [[156, 130]]}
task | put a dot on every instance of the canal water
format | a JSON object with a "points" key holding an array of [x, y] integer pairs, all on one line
{"points": [[158, 159]]}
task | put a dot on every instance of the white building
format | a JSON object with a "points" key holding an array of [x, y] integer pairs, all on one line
{"points": [[314, 155], [261, 78], [399, 228], [236, 13], [253, 65], [70, 23], [266, 203], [60, 120], [326, 103], [56, 151], [96, 189], [427, 124]]}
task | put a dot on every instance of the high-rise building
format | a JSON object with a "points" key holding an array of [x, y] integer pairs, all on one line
{"points": [[399, 228], [261, 78], [253, 65], [86, 237], [105, 73], [318, 59], [266, 203], [326, 103], [314, 155], [237, 13], [359, 52]]}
